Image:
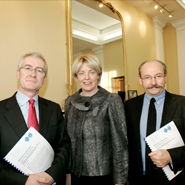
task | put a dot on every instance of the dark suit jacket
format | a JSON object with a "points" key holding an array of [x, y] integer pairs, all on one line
{"points": [[51, 126], [174, 109]]}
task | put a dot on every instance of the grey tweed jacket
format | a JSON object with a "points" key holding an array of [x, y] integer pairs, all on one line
{"points": [[97, 129]]}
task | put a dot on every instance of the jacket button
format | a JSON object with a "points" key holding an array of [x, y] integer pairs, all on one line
{"points": [[87, 104]]}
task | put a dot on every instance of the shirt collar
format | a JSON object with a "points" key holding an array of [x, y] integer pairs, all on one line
{"points": [[23, 99], [158, 98]]}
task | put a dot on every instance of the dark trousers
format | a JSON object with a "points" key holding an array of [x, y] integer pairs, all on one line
{"points": [[94, 180]]}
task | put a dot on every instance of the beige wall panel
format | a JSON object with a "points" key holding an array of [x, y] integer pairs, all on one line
{"points": [[33, 26], [171, 59], [113, 57], [139, 40]]}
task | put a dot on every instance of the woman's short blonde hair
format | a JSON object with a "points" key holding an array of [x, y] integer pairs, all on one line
{"points": [[91, 60]]}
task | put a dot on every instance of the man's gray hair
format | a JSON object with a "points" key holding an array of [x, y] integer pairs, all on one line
{"points": [[36, 55]]}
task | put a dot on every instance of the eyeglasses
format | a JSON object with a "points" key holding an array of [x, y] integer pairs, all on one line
{"points": [[29, 69], [149, 78]]}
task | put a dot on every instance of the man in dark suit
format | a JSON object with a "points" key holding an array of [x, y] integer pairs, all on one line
{"points": [[168, 107], [32, 74]]}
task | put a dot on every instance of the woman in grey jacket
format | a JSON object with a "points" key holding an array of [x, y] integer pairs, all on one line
{"points": [[97, 129]]}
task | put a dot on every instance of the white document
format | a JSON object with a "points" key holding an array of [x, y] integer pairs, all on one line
{"points": [[31, 154], [167, 137]]}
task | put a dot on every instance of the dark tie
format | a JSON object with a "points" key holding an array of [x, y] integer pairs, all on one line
{"points": [[151, 124], [32, 118], [151, 127]]}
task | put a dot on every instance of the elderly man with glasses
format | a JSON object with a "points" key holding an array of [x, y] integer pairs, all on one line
{"points": [[144, 115]]}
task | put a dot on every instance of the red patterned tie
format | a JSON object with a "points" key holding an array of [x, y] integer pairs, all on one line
{"points": [[32, 118]]}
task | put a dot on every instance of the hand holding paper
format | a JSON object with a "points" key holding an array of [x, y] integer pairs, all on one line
{"points": [[160, 158], [167, 137]]}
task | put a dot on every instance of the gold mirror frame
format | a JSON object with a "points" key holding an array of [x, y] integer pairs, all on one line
{"points": [[70, 79]]}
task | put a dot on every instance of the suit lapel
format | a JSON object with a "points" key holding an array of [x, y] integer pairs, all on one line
{"points": [[138, 108], [136, 114], [15, 117], [44, 116], [169, 109]]}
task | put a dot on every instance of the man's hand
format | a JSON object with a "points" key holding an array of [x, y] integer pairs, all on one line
{"points": [[160, 158], [39, 179]]}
